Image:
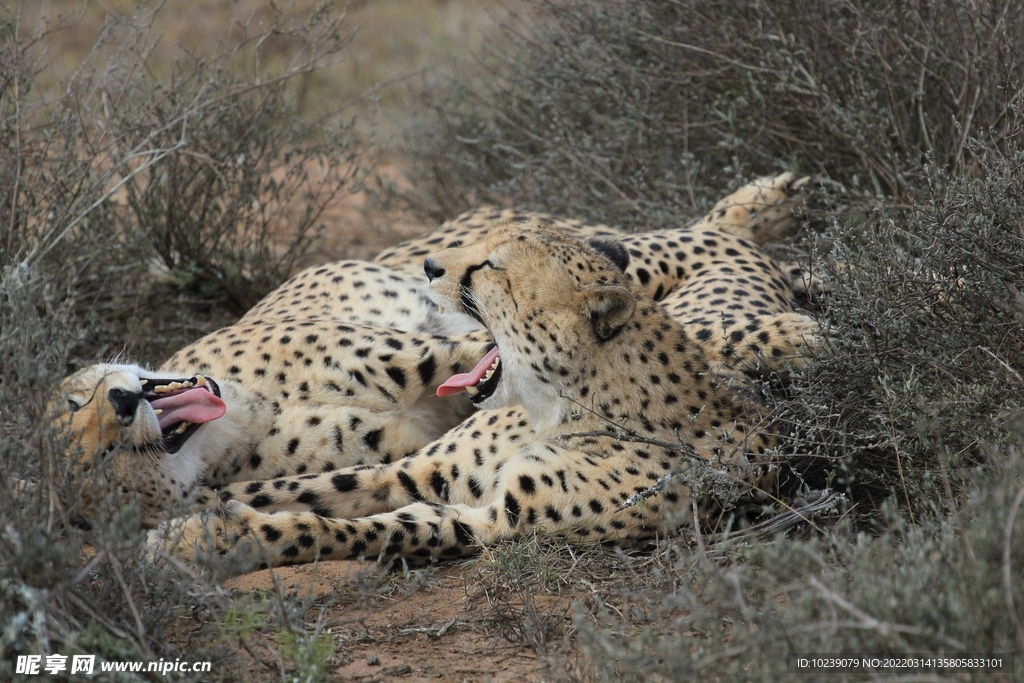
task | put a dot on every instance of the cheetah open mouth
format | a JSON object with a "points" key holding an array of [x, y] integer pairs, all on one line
{"points": [[181, 406], [479, 383]]}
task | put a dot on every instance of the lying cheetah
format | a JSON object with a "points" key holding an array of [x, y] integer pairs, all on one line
{"points": [[391, 292], [264, 400], [711, 276], [592, 394], [293, 404]]}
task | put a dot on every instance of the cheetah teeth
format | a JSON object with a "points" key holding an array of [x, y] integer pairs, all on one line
{"points": [[474, 389], [182, 427], [175, 386], [158, 411], [440, 309], [494, 366]]}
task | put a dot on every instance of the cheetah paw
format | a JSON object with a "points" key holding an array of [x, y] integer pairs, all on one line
{"points": [[760, 211], [803, 281], [224, 538]]}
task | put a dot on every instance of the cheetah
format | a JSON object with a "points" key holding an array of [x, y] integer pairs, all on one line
{"points": [[760, 212], [712, 276], [262, 400], [592, 394], [287, 409]]}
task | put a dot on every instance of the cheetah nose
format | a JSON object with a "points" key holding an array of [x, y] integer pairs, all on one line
{"points": [[125, 403], [432, 270]]}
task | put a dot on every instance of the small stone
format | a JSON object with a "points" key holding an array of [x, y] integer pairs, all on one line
{"points": [[373, 660]]}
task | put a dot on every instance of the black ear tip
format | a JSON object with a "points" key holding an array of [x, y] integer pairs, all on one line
{"points": [[612, 249]]}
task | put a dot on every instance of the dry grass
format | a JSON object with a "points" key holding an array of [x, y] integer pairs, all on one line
{"points": [[397, 42]]}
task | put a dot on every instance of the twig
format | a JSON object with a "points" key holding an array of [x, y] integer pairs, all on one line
{"points": [[1007, 575], [868, 622], [430, 630], [703, 51], [139, 628]]}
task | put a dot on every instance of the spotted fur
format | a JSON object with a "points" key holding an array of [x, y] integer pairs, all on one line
{"points": [[301, 396], [600, 394]]}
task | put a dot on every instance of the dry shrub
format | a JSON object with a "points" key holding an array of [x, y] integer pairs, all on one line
{"points": [[122, 170], [940, 586], [640, 113], [930, 315]]}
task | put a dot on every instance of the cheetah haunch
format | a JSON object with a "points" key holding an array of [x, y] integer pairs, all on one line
{"points": [[592, 394]]}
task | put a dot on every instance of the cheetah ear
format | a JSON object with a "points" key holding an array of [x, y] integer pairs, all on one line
{"points": [[612, 249], [610, 309]]}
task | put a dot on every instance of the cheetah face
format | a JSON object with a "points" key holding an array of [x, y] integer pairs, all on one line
{"points": [[550, 302], [108, 406], [146, 430]]}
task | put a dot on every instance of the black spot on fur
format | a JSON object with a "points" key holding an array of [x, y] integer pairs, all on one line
{"points": [[372, 439], [409, 485], [343, 483], [439, 486], [512, 510], [397, 375], [463, 534], [426, 369]]}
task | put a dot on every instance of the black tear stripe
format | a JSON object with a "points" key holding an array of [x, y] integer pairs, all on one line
{"points": [[466, 288]]}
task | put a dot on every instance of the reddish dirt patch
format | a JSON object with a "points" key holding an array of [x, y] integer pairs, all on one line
{"points": [[441, 632]]}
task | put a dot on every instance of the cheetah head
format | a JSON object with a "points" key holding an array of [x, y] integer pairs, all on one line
{"points": [[143, 428], [552, 304]]}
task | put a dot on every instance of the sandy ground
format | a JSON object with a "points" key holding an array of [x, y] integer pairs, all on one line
{"points": [[441, 632]]}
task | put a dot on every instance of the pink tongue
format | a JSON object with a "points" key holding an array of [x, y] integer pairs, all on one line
{"points": [[195, 405], [457, 383]]}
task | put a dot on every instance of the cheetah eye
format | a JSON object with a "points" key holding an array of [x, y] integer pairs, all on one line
{"points": [[73, 405]]}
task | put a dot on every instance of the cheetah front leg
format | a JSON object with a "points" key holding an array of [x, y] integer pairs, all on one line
{"points": [[419, 532], [349, 492]]}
